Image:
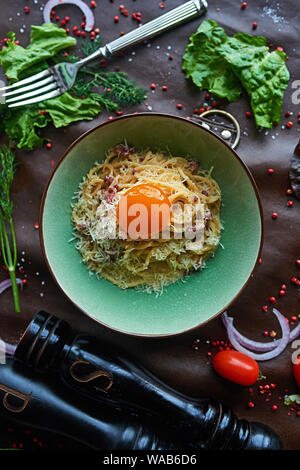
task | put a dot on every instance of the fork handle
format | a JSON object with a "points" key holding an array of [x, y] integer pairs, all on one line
{"points": [[169, 20]]}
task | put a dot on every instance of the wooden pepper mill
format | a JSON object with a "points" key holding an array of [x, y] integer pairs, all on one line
{"points": [[91, 370]]}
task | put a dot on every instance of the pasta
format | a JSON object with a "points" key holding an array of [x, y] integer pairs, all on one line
{"points": [[150, 263]]}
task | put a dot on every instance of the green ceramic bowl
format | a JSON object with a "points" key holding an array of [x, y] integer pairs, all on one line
{"points": [[182, 306]]}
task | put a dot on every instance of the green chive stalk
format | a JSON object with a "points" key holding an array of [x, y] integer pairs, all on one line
{"points": [[7, 172]]}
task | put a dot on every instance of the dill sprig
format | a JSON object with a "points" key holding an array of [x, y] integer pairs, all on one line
{"points": [[7, 172], [123, 92]]}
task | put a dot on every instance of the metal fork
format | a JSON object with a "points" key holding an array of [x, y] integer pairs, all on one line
{"points": [[61, 77]]}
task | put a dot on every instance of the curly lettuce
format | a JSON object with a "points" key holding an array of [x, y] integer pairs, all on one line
{"points": [[226, 65]]}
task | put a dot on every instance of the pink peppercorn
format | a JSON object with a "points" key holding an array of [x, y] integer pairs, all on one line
{"points": [[48, 145], [288, 113], [290, 203], [274, 215], [26, 10], [282, 292], [254, 25], [274, 407], [164, 88], [243, 5], [93, 4], [116, 19], [153, 86], [251, 404], [179, 106], [270, 171], [264, 308], [272, 300], [248, 114], [289, 124]]}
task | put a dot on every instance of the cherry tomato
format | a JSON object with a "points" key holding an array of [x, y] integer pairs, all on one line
{"points": [[236, 367], [296, 371]]}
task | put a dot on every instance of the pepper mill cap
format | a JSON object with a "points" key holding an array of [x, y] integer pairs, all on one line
{"points": [[44, 341]]}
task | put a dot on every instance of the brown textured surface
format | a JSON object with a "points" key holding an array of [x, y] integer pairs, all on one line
{"points": [[173, 359]]}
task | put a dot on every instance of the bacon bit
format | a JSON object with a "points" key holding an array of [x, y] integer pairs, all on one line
{"points": [[205, 193], [124, 150], [273, 334], [194, 166], [108, 179]]}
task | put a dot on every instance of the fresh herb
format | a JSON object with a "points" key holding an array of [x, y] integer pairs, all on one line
{"points": [[7, 171], [226, 65], [83, 102], [292, 400]]}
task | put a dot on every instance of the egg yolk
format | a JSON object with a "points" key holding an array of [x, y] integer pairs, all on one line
{"points": [[144, 211]]}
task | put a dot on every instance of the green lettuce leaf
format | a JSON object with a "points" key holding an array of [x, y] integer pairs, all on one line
{"points": [[212, 58], [21, 126], [204, 65], [65, 109], [45, 41]]}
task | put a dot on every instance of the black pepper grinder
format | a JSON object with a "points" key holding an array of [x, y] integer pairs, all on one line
{"points": [[92, 370], [43, 402]]}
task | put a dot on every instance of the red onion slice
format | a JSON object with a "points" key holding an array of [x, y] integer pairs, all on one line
{"points": [[7, 283], [280, 346], [257, 346], [89, 15]]}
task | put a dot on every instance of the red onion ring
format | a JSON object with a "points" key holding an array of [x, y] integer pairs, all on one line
{"points": [[257, 346], [280, 346], [7, 283], [89, 15]]}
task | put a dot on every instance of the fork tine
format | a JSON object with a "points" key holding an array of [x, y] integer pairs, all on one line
{"points": [[47, 96], [39, 91], [34, 78], [38, 84]]}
